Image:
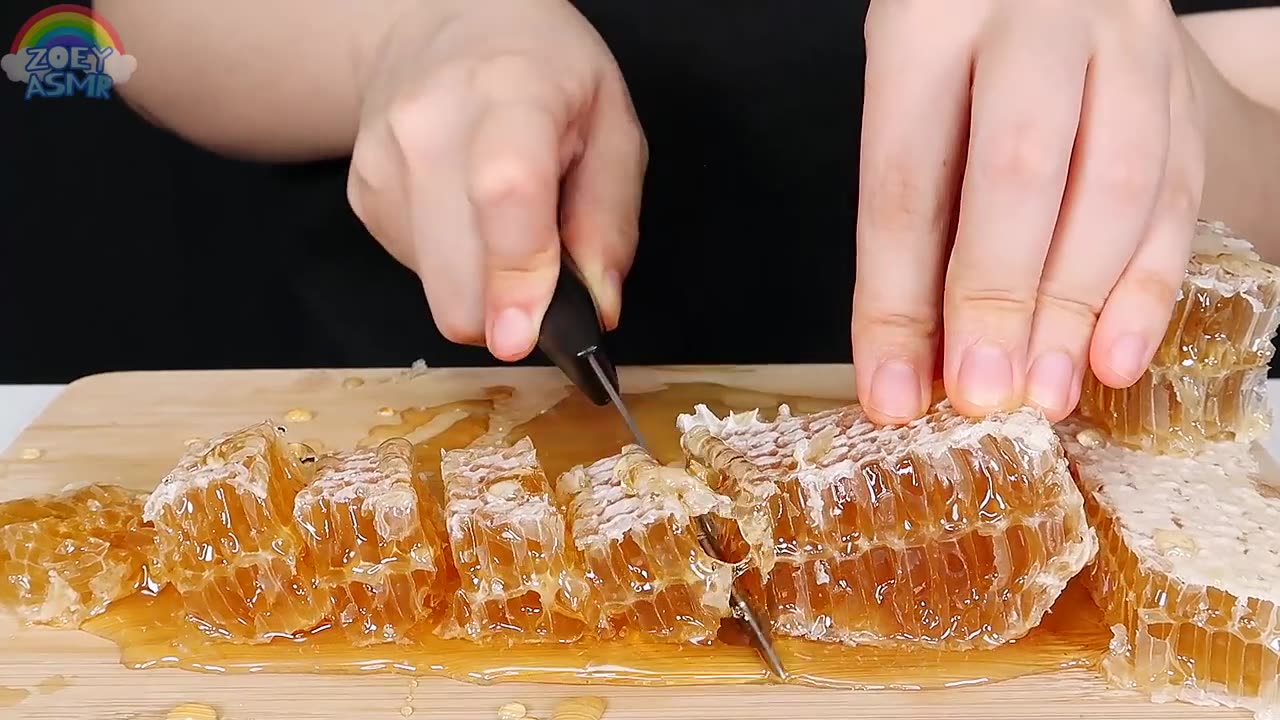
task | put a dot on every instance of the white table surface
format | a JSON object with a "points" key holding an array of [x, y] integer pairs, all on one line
{"points": [[20, 404]]}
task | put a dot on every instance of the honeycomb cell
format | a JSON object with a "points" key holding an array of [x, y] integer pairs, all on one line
{"points": [[1186, 573], [632, 522], [520, 580], [226, 541], [1206, 380], [376, 536], [948, 533], [65, 558]]}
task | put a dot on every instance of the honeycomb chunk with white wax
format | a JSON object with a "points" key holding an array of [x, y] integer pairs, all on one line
{"points": [[1207, 380], [947, 533], [1188, 570], [377, 538], [632, 520], [520, 579], [226, 540]]}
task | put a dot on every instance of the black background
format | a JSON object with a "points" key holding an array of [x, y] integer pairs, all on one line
{"points": [[122, 247]]}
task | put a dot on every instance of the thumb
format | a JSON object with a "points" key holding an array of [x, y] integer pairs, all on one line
{"points": [[600, 207], [514, 178]]}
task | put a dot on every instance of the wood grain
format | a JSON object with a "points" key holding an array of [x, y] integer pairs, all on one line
{"points": [[129, 428]]}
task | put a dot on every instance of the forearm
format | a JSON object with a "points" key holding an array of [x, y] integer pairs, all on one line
{"points": [[275, 79], [1242, 172], [1242, 152]]}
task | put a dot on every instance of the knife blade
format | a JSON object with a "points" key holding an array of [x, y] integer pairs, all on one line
{"points": [[757, 631], [571, 336]]}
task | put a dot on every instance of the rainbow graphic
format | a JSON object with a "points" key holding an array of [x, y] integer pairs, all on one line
{"points": [[68, 26]]}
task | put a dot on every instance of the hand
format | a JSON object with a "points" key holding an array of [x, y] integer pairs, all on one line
{"points": [[1059, 142], [487, 138]]}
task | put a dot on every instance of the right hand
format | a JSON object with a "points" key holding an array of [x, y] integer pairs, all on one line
{"points": [[489, 135]]}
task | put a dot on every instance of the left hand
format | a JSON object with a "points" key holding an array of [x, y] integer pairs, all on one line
{"points": [[1067, 137]]}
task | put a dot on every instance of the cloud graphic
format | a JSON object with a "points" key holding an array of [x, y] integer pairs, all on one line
{"points": [[15, 66], [119, 67]]}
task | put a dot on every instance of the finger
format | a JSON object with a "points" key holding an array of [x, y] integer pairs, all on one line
{"points": [[1137, 312], [427, 133], [913, 132], [376, 192], [600, 204], [1120, 157], [1026, 106], [513, 186]]}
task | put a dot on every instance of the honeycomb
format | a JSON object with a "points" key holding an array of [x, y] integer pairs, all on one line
{"points": [[1228, 309], [225, 537], [947, 533], [67, 557], [1205, 380], [376, 536], [1187, 572], [519, 580], [631, 520], [1178, 411]]}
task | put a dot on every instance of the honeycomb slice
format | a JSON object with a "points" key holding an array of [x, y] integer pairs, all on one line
{"points": [[631, 519], [376, 536], [1178, 411], [519, 580], [65, 558], [1228, 309], [948, 532], [1188, 573], [1205, 380], [226, 541]]}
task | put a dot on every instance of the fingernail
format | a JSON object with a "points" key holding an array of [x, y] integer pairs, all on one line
{"points": [[1129, 356], [511, 334], [986, 376], [1049, 382], [895, 390]]}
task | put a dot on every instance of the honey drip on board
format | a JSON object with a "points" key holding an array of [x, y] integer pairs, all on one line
{"points": [[152, 632]]}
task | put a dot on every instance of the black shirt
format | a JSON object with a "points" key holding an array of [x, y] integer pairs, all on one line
{"points": [[752, 112]]}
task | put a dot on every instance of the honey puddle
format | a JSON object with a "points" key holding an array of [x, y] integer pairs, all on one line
{"points": [[152, 632]]}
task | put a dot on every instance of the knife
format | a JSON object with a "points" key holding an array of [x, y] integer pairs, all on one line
{"points": [[572, 337]]}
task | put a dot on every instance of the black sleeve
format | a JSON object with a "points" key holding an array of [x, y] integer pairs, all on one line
{"points": [[1187, 7]]}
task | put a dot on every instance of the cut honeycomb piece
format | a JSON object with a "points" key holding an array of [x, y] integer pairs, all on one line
{"points": [[376, 536], [747, 535], [1228, 309], [65, 558], [947, 533], [519, 580], [631, 519], [1188, 573], [226, 541], [1176, 410], [1205, 382]]}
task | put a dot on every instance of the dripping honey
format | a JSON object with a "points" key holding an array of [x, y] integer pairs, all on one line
{"points": [[152, 632]]}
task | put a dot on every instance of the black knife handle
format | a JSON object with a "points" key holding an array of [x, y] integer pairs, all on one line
{"points": [[571, 332]]}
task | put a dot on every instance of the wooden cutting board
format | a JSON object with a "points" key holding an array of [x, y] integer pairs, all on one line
{"points": [[129, 428]]}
